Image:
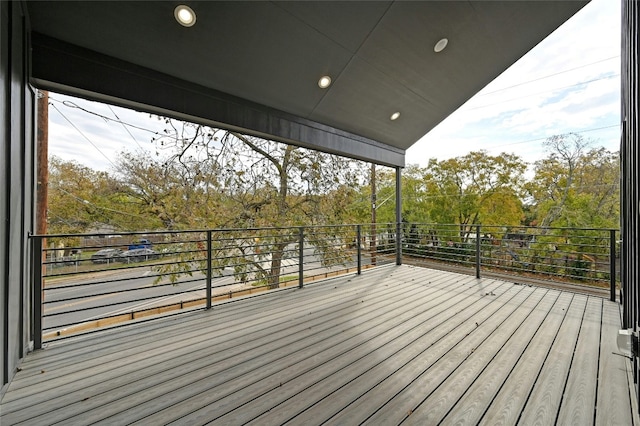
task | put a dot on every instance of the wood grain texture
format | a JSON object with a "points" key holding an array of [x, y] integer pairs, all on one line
{"points": [[542, 407], [436, 392], [466, 394], [579, 399], [611, 408], [181, 363], [339, 389], [396, 342], [512, 397]]}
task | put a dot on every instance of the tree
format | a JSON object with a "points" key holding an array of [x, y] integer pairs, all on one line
{"points": [[81, 199], [255, 183], [575, 186], [171, 194], [476, 188]]}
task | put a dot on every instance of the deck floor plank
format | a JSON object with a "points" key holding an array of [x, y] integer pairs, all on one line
{"points": [[397, 343], [144, 374], [472, 386], [546, 395], [493, 332], [257, 320], [611, 408], [251, 383], [281, 405], [352, 402], [219, 366], [579, 399], [90, 345], [507, 405]]}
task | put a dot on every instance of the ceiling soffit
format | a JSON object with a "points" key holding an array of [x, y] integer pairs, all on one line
{"points": [[379, 54]]}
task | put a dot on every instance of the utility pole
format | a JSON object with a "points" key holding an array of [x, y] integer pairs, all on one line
{"points": [[373, 215], [42, 164]]}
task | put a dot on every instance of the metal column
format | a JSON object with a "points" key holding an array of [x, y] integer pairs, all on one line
{"points": [[398, 215]]}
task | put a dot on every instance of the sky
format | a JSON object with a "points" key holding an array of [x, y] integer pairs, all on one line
{"points": [[570, 82]]}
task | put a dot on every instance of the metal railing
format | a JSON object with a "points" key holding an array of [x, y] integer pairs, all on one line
{"points": [[88, 281], [567, 255], [85, 282]]}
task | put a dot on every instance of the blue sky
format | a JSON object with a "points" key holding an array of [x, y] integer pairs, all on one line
{"points": [[570, 82]]}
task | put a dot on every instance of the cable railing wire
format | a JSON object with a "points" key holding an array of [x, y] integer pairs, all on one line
{"points": [[191, 268]]}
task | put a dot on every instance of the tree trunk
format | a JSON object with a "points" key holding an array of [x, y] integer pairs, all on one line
{"points": [[276, 265]]}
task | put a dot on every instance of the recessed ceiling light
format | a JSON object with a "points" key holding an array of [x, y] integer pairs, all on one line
{"points": [[440, 45], [394, 116], [184, 15], [324, 82]]}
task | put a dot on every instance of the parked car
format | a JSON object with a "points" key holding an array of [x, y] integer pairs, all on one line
{"points": [[105, 255], [138, 255], [140, 244]]}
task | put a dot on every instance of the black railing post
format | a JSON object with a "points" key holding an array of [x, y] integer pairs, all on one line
{"points": [[398, 243], [209, 269], [478, 254], [358, 248], [301, 257], [612, 264], [398, 215], [36, 267]]}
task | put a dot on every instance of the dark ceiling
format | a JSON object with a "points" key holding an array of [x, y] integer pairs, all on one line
{"points": [[379, 54]]}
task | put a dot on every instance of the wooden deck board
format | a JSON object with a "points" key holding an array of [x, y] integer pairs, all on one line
{"points": [[579, 399], [175, 326], [377, 347], [610, 407], [507, 405], [544, 401], [352, 402], [190, 331], [493, 331], [471, 388], [187, 344], [187, 360], [260, 379], [376, 360]]}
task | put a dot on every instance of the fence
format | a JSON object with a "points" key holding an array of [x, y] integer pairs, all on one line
{"points": [[84, 282], [571, 255]]}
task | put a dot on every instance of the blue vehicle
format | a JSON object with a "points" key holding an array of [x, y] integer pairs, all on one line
{"points": [[141, 244]]}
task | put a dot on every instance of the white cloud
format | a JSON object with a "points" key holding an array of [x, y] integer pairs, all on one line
{"points": [[78, 133], [568, 83]]}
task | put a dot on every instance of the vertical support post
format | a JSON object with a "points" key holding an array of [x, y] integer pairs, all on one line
{"points": [[374, 206], [478, 252], [612, 264], [359, 248], [398, 215], [36, 267], [209, 269], [301, 257]]}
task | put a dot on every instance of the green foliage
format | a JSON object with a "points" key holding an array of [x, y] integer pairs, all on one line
{"points": [[81, 199], [209, 178], [205, 178], [475, 188], [575, 187]]}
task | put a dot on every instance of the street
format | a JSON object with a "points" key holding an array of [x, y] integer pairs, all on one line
{"points": [[73, 300]]}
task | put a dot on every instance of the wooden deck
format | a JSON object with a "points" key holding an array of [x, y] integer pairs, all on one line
{"points": [[394, 345]]}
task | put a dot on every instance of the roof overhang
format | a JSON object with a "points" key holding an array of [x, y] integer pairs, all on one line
{"points": [[254, 66]]}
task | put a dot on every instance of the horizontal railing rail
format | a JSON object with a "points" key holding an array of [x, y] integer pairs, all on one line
{"points": [[83, 282], [85, 285], [584, 256]]}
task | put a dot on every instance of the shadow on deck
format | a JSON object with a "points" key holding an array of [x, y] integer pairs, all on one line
{"points": [[396, 344]]}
